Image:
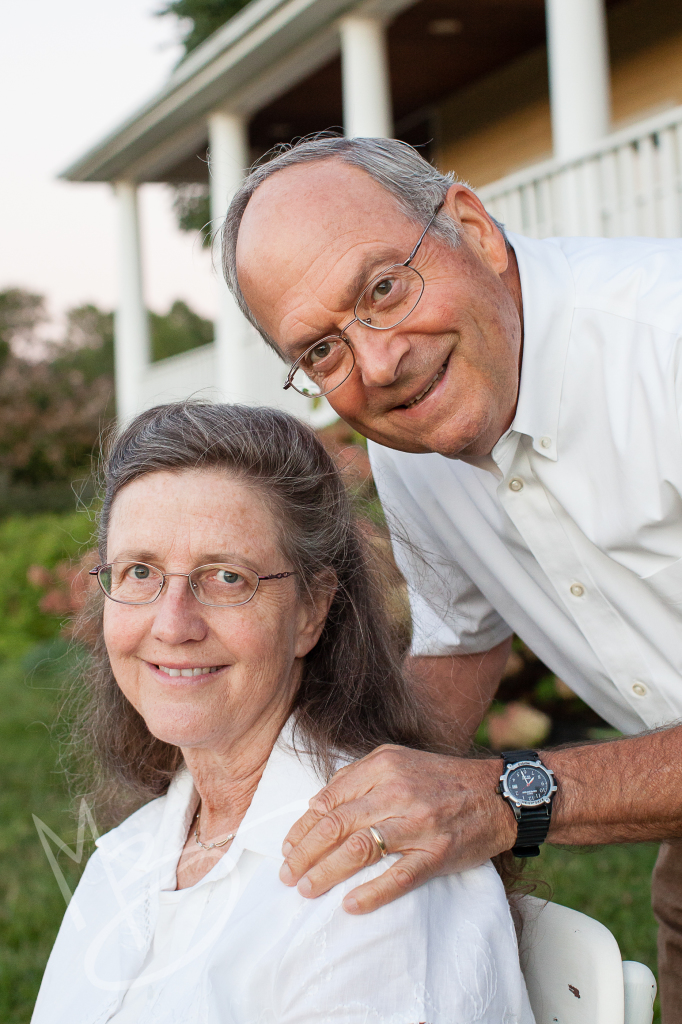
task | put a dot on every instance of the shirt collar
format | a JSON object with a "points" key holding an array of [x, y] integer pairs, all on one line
{"points": [[548, 295], [286, 786]]}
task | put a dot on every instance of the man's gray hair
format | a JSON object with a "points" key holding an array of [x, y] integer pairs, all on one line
{"points": [[415, 184]]}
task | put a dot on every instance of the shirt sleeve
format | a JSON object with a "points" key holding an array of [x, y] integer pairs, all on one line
{"points": [[444, 953], [450, 615]]}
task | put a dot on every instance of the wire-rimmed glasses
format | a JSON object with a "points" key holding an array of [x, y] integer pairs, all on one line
{"points": [[383, 304], [220, 585]]}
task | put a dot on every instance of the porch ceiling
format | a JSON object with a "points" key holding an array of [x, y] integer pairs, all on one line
{"points": [[435, 48]]}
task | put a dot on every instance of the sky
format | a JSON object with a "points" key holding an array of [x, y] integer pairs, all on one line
{"points": [[71, 70]]}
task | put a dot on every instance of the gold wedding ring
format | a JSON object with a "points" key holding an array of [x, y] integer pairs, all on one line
{"points": [[379, 840]]}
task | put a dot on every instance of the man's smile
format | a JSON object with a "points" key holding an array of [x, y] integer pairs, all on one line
{"points": [[429, 387]]}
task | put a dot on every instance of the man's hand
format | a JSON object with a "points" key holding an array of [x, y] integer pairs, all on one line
{"points": [[442, 813]]}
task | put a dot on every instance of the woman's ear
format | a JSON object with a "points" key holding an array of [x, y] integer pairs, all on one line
{"points": [[315, 605]]}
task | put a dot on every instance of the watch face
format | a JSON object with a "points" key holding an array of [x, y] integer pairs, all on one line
{"points": [[529, 785]]}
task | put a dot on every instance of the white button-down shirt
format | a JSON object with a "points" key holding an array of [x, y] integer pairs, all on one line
{"points": [[239, 947], [570, 534]]}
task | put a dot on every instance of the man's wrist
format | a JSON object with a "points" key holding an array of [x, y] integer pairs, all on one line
{"points": [[527, 786], [506, 826]]}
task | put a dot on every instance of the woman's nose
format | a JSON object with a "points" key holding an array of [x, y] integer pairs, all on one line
{"points": [[178, 615], [378, 355]]}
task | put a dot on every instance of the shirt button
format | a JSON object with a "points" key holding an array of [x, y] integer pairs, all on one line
{"points": [[546, 442], [515, 484], [639, 689], [577, 589]]}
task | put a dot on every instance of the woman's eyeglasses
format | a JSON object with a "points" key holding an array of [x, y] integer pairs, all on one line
{"points": [[385, 303], [219, 585]]}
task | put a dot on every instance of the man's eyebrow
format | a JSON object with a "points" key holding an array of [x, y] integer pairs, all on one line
{"points": [[371, 265]]}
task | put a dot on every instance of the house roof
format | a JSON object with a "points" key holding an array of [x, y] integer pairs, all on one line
{"points": [[267, 47]]}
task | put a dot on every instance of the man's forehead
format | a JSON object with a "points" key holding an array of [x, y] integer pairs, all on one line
{"points": [[318, 202], [306, 233]]}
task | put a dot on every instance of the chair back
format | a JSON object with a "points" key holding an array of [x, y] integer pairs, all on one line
{"points": [[572, 966]]}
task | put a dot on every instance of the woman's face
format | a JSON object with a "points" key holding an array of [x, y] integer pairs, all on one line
{"points": [[177, 521]]}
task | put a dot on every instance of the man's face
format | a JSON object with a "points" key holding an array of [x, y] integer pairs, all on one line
{"points": [[446, 379]]}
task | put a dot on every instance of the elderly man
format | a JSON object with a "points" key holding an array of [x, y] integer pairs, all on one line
{"points": [[522, 401]]}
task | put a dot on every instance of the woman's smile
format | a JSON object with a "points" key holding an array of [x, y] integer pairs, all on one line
{"points": [[186, 672]]}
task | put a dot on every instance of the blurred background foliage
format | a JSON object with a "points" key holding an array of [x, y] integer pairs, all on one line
{"points": [[57, 393], [199, 19], [192, 209]]}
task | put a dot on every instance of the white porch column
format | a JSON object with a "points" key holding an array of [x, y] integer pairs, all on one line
{"points": [[228, 160], [131, 344], [366, 83], [578, 54]]}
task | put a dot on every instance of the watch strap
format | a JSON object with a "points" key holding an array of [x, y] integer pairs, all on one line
{"points": [[533, 822], [512, 756], [532, 831]]}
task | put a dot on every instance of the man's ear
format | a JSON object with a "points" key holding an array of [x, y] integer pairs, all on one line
{"points": [[477, 226], [315, 605]]}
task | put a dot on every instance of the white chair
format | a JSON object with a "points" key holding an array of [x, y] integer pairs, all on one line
{"points": [[574, 973]]}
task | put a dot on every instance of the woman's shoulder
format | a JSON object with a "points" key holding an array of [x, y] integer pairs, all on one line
{"points": [[442, 952], [472, 902]]}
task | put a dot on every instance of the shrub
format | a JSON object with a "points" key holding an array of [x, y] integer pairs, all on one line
{"points": [[28, 541]]}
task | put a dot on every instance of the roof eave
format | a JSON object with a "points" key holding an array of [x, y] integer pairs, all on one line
{"points": [[237, 53]]}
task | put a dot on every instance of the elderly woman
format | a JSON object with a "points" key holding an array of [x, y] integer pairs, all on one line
{"points": [[244, 658]]}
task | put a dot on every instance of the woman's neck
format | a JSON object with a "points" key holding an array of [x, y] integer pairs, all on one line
{"points": [[226, 776]]}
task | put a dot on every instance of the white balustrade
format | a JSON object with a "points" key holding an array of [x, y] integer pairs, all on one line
{"points": [[628, 183]]}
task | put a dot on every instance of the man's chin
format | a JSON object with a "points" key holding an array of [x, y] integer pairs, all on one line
{"points": [[424, 441]]}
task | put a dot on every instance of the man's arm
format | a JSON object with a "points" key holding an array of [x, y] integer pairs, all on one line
{"points": [[458, 690], [444, 815]]}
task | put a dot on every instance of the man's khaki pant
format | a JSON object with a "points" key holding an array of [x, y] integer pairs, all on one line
{"points": [[666, 899]]}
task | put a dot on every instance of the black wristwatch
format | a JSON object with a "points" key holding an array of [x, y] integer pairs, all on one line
{"points": [[529, 788]]}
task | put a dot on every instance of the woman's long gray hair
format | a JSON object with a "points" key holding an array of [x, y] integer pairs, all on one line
{"points": [[353, 695]]}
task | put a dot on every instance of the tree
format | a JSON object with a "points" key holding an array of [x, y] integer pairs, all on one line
{"points": [[192, 208], [203, 16], [21, 312], [178, 330], [54, 408]]}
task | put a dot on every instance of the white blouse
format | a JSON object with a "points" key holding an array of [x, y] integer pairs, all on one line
{"points": [[239, 947]]}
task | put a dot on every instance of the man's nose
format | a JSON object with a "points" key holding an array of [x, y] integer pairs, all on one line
{"points": [[378, 355], [178, 615]]}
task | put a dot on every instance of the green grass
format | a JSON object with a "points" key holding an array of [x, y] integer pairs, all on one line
{"points": [[609, 883], [31, 905]]}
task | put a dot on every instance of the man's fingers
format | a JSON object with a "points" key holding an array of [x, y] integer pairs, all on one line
{"points": [[300, 829], [408, 873], [358, 851], [325, 836], [352, 782]]}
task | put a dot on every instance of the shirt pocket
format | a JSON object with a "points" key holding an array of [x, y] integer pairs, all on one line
{"points": [[667, 583]]}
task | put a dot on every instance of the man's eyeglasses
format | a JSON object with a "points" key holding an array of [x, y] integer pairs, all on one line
{"points": [[220, 585], [384, 303]]}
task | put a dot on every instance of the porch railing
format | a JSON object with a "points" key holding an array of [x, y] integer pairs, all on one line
{"points": [[630, 183]]}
